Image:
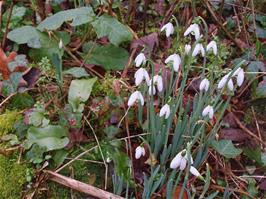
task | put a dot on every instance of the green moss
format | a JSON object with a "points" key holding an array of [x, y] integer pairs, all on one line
{"points": [[7, 121], [12, 177]]}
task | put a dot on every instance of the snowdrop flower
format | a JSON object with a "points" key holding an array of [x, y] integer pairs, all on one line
{"points": [[165, 111], [187, 48], [60, 45], [223, 81], [140, 59], [140, 151], [194, 171], [152, 90], [136, 96], [180, 160], [208, 110], [158, 81], [194, 29], [140, 75], [198, 49], [169, 29], [212, 46], [176, 61], [204, 85], [239, 73]]}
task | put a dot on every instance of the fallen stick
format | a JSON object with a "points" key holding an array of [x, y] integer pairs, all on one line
{"points": [[80, 186]]}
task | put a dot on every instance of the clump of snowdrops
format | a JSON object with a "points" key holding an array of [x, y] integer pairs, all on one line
{"points": [[176, 136]]}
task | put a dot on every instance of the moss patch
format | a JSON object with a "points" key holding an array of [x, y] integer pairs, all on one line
{"points": [[12, 177], [7, 121]]}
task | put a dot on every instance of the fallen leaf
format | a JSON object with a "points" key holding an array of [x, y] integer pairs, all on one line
{"points": [[31, 75], [233, 134], [262, 185], [177, 193], [75, 136], [4, 60], [150, 41]]}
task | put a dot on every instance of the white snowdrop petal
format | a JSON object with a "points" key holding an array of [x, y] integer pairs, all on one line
{"points": [[140, 97], [167, 114], [204, 84], [194, 171], [60, 45], [205, 111], [210, 112], [183, 164], [202, 50], [165, 111], [176, 61], [175, 163], [212, 46], [240, 77], [222, 82], [140, 59], [159, 83], [196, 50], [143, 151], [230, 85], [133, 98], [152, 91], [139, 76], [169, 29], [138, 152], [187, 48], [236, 72]]}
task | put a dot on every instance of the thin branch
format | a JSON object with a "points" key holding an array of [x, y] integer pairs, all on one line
{"points": [[80, 186], [7, 25]]}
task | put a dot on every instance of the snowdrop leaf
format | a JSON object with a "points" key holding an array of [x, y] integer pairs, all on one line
{"points": [[115, 31], [110, 57], [78, 16], [226, 148]]}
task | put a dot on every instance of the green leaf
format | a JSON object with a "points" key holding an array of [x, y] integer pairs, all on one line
{"points": [[78, 16], [11, 85], [255, 66], [261, 89], [77, 72], [110, 57], [23, 35], [108, 26], [57, 63], [226, 148], [255, 154], [49, 46], [41, 43], [79, 91], [52, 137], [60, 156], [35, 154]]}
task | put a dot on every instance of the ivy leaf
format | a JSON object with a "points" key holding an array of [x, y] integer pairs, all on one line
{"points": [[78, 16], [108, 26], [51, 136], [110, 57], [226, 148]]}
